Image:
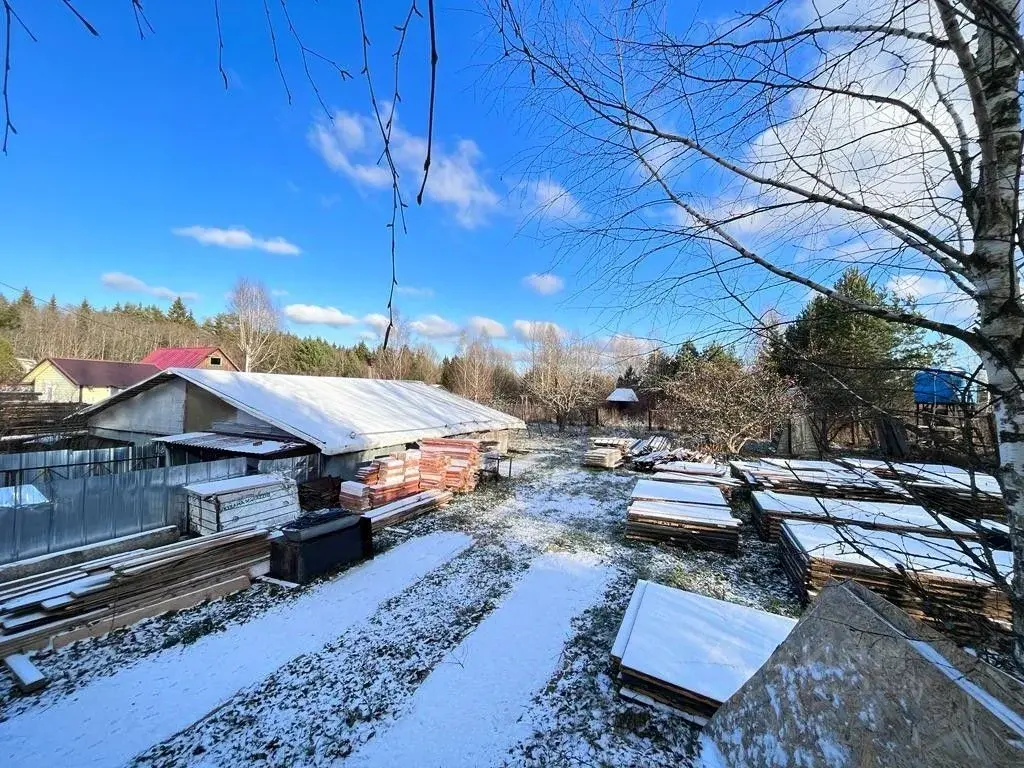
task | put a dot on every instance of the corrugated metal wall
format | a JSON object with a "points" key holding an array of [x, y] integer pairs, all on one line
{"points": [[40, 467], [86, 510]]}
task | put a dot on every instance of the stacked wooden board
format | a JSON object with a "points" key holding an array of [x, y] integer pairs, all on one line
{"points": [[700, 473], [391, 477], [694, 515], [239, 502], [463, 463], [648, 445], [930, 578], [649, 461], [354, 496], [824, 479], [408, 508], [111, 592], [622, 443], [771, 508], [690, 652], [603, 458]]}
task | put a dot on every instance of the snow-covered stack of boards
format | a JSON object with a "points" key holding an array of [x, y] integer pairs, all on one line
{"points": [[677, 513], [930, 578], [694, 472], [622, 443], [408, 508], [354, 496], [389, 478], [460, 467], [689, 652], [96, 597], [647, 445], [603, 458], [220, 505], [825, 479]]}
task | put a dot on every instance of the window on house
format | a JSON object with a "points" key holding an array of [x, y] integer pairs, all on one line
{"points": [[214, 361]]}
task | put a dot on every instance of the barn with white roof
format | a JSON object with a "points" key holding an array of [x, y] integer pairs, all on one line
{"points": [[216, 412]]}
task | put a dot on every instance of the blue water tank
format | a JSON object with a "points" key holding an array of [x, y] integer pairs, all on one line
{"points": [[937, 387]]}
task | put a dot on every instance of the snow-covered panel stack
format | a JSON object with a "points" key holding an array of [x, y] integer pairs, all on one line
{"points": [[354, 496], [463, 465], [692, 515], [603, 458], [690, 652], [220, 505], [407, 508]]}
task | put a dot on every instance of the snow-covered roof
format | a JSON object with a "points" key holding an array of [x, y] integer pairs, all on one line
{"points": [[623, 395], [249, 446], [231, 484], [338, 415]]}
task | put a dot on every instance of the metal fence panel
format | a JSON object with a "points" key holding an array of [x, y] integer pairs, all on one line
{"points": [[44, 467]]}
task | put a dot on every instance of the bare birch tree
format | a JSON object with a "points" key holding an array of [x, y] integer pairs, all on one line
{"points": [[799, 138], [563, 374], [257, 323]]}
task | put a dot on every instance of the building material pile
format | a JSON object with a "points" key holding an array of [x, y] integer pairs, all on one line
{"points": [[354, 496], [115, 591], [771, 508], [603, 458], [408, 508], [622, 443], [649, 462], [387, 478], [956, 491], [682, 514], [648, 445], [824, 479], [932, 579], [462, 467], [691, 652], [238, 502]]}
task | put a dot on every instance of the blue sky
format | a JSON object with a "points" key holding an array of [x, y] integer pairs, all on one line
{"points": [[134, 174]]}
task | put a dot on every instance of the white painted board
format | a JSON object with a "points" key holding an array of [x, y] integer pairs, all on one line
{"points": [[678, 492]]}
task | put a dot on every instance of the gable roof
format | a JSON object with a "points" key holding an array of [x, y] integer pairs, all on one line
{"points": [[338, 415], [180, 357], [97, 373], [623, 395]]}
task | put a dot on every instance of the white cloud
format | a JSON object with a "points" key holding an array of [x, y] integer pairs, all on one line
{"points": [[936, 297], [378, 322], [119, 281], [238, 237], [531, 329], [412, 290], [435, 327], [548, 198], [351, 145], [311, 314], [544, 283], [485, 326]]}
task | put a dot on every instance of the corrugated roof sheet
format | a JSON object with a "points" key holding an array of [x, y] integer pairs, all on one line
{"points": [[179, 357], [339, 415], [102, 373], [248, 446], [623, 395]]}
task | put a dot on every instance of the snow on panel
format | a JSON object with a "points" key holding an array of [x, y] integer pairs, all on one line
{"points": [[341, 415], [691, 467], [670, 511], [707, 646], [923, 554], [231, 484], [690, 494], [877, 512], [469, 710], [946, 475], [112, 719]]}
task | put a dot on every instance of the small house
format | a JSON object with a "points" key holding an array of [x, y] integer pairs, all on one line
{"points": [[190, 357], [70, 380], [620, 406]]}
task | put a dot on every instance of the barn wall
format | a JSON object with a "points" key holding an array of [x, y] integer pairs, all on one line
{"points": [[157, 411]]}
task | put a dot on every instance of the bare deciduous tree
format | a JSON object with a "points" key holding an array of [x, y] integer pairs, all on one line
{"points": [[257, 322], [563, 374], [799, 138]]}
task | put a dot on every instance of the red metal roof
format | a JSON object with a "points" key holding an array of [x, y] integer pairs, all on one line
{"points": [[179, 357]]}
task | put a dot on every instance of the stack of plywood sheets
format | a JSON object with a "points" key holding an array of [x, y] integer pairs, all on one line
{"points": [[354, 496], [408, 508], [111, 592], [824, 479], [463, 461], [694, 472], [695, 515], [604, 458], [930, 578], [771, 508], [238, 502], [691, 652]]}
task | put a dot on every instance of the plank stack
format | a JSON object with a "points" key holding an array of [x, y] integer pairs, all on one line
{"points": [[932, 579], [648, 462], [406, 509], [603, 458], [463, 461], [115, 591], [823, 479], [689, 652], [648, 445], [354, 496], [390, 478], [694, 515]]}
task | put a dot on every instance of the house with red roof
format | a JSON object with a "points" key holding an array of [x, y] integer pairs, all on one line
{"points": [[190, 357]]}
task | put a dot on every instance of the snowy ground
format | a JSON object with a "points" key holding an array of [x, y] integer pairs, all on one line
{"points": [[485, 648]]}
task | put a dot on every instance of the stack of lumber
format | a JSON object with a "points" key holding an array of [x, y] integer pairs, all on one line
{"points": [[954, 490], [622, 443], [682, 514], [824, 479], [930, 578], [408, 508], [649, 462], [390, 478], [433, 470], [460, 474], [604, 458], [648, 445], [771, 508], [114, 591], [354, 496], [689, 652], [699, 473]]}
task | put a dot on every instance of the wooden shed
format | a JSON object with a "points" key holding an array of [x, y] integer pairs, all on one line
{"points": [[218, 505]]}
